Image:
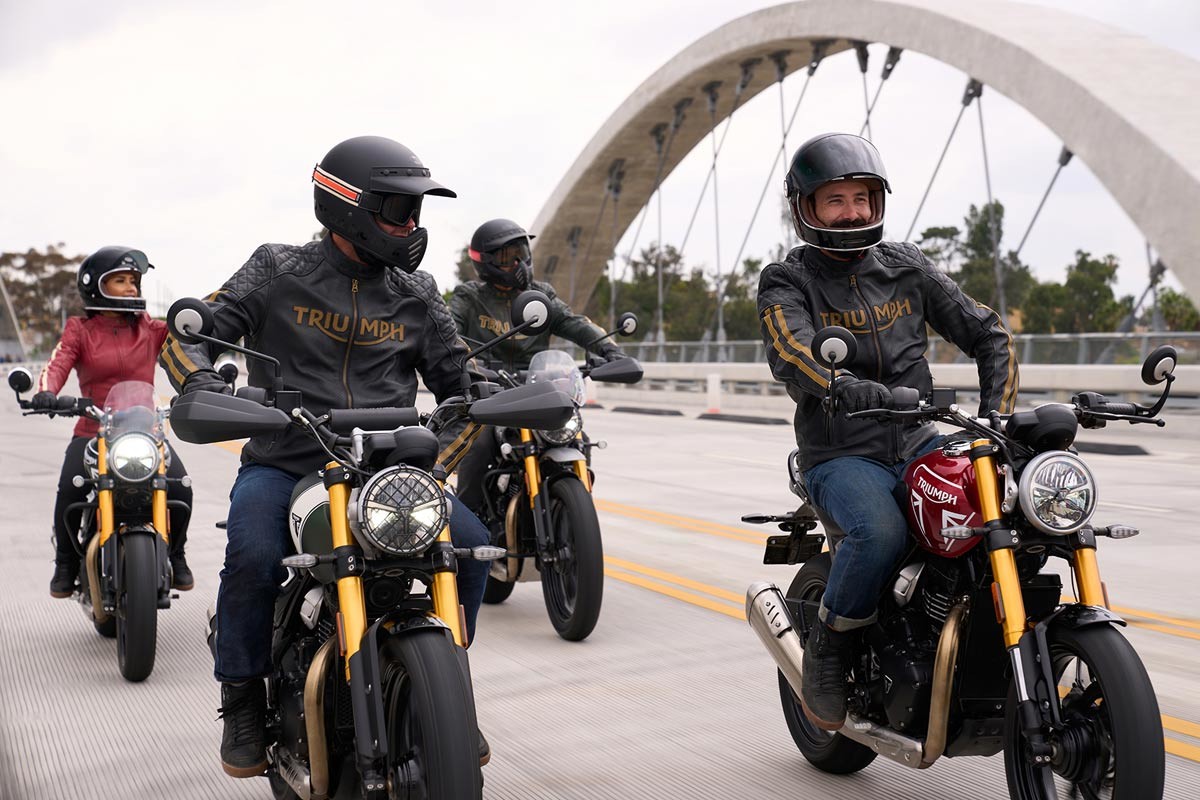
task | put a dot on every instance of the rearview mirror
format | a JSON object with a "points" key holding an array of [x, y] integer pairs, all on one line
{"points": [[834, 346], [187, 316], [531, 306], [627, 324], [20, 380], [1159, 364]]}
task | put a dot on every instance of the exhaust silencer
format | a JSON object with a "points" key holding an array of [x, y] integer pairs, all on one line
{"points": [[768, 615]]}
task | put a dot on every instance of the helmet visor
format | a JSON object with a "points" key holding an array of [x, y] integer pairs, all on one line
{"points": [[510, 255], [398, 209]]}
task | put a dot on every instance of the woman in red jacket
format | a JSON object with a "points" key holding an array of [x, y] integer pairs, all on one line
{"points": [[117, 341]]}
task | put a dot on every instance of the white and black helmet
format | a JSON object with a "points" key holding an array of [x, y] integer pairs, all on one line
{"points": [[836, 157], [108, 261]]}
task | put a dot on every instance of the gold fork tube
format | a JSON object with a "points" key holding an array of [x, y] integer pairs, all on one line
{"points": [[445, 600], [351, 605], [1087, 576], [1006, 587], [159, 510], [104, 498], [533, 475]]}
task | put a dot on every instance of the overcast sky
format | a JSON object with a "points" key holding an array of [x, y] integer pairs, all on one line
{"points": [[189, 129]]}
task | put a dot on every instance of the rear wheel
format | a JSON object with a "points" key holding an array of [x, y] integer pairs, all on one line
{"points": [[137, 617], [1111, 745], [827, 751], [433, 743], [573, 583]]}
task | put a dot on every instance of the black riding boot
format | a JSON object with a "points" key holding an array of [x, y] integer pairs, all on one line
{"points": [[243, 744], [823, 694], [66, 572]]}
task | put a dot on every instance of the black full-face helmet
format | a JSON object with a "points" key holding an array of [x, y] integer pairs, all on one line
{"points": [[368, 177], [501, 252], [109, 261], [836, 157]]}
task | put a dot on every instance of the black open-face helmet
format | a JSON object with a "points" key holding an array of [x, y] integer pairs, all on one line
{"points": [[109, 261], [501, 252], [368, 177], [836, 157]]}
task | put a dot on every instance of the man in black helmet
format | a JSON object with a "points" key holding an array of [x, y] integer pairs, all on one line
{"points": [[352, 323], [885, 294], [501, 253]]}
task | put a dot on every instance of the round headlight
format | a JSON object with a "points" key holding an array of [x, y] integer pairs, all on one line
{"points": [[133, 457], [1057, 492], [564, 434], [402, 510]]}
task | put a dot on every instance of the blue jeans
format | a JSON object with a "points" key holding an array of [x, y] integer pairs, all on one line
{"points": [[857, 494], [259, 540]]}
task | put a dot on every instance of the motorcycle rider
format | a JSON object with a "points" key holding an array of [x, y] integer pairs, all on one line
{"points": [[501, 253], [116, 341], [352, 323], [885, 293]]}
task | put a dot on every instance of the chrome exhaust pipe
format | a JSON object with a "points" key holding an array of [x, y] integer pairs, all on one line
{"points": [[768, 615], [886, 742], [93, 570], [943, 681], [293, 773], [317, 779]]}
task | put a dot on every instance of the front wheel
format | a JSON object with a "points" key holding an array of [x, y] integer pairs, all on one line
{"points": [[573, 581], [433, 743], [1111, 745], [137, 619], [828, 752]]}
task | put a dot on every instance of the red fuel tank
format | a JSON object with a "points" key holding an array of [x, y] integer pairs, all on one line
{"points": [[941, 492]]}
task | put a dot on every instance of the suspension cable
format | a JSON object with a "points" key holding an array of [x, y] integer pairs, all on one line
{"points": [[710, 89], [658, 132], [1064, 158], [573, 246], [615, 175], [974, 87], [747, 75], [993, 224], [889, 64], [864, 57], [818, 54]]}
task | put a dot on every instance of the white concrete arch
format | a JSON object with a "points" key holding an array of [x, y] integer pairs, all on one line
{"points": [[1127, 107]]}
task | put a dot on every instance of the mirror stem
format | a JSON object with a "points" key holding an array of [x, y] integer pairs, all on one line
{"points": [[278, 383], [507, 334]]}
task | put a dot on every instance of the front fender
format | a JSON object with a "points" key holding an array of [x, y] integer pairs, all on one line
{"points": [[563, 455], [1039, 671], [1078, 615], [161, 557]]}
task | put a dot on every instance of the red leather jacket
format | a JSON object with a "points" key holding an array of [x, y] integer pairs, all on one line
{"points": [[103, 351]]}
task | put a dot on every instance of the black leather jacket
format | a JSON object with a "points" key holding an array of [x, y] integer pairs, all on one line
{"points": [[886, 299], [347, 336], [482, 313]]}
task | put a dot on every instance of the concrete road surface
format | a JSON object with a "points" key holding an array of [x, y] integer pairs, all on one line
{"points": [[671, 697]]}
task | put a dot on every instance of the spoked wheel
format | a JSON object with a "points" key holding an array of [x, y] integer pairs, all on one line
{"points": [[825, 750], [433, 745], [137, 617], [1111, 745], [573, 583]]}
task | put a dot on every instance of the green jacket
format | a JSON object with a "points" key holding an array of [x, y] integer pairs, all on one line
{"points": [[482, 313]]}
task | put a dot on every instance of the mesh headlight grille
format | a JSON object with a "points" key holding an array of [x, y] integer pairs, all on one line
{"points": [[402, 510], [133, 457], [1057, 493]]}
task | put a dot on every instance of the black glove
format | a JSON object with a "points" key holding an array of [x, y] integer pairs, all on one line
{"points": [[855, 394], [614, 355], [43, 401], [205, 380]]}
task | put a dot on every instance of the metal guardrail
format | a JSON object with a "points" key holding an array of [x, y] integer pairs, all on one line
{"points": [[1056, 348]]}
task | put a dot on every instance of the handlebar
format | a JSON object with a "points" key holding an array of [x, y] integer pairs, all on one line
{"points": [[345, 420]]}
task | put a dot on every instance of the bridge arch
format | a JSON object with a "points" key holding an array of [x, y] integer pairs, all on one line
{"points": [[1121, 103]]}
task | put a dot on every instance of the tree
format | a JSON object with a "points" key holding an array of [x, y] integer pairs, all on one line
{"points": [[464, 268], [1083, 303], [1178, 310], [976, 272], [941, 245], [41, 286]]}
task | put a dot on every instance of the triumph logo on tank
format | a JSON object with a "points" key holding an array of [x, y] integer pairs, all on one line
{"points": [[932, 492], [337, 326]]}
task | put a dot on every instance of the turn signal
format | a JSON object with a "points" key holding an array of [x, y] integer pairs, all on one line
{"points": [[1122, 531], [957, 532]]}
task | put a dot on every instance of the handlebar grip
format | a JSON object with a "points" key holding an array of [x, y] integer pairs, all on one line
{"points": [[345, 420], [1128, 409], [904, 397], [64, 402], [254, 393]]}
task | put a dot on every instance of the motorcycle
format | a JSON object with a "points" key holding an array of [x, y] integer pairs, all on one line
{"points": [[1070, 703], [538, 496], [123, 536], [370, 693]]}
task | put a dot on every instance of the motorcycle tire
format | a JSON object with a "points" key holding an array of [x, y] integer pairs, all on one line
{"points": [[827, 751], [1115, 712], [137, 619], [107, 629], [433, 741], [573, 584], [495, 591]]}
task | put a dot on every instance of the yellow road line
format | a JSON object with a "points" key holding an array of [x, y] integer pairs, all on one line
{"points": [[720, 606], [687, 583], [1181, 749], [687, 523]]}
